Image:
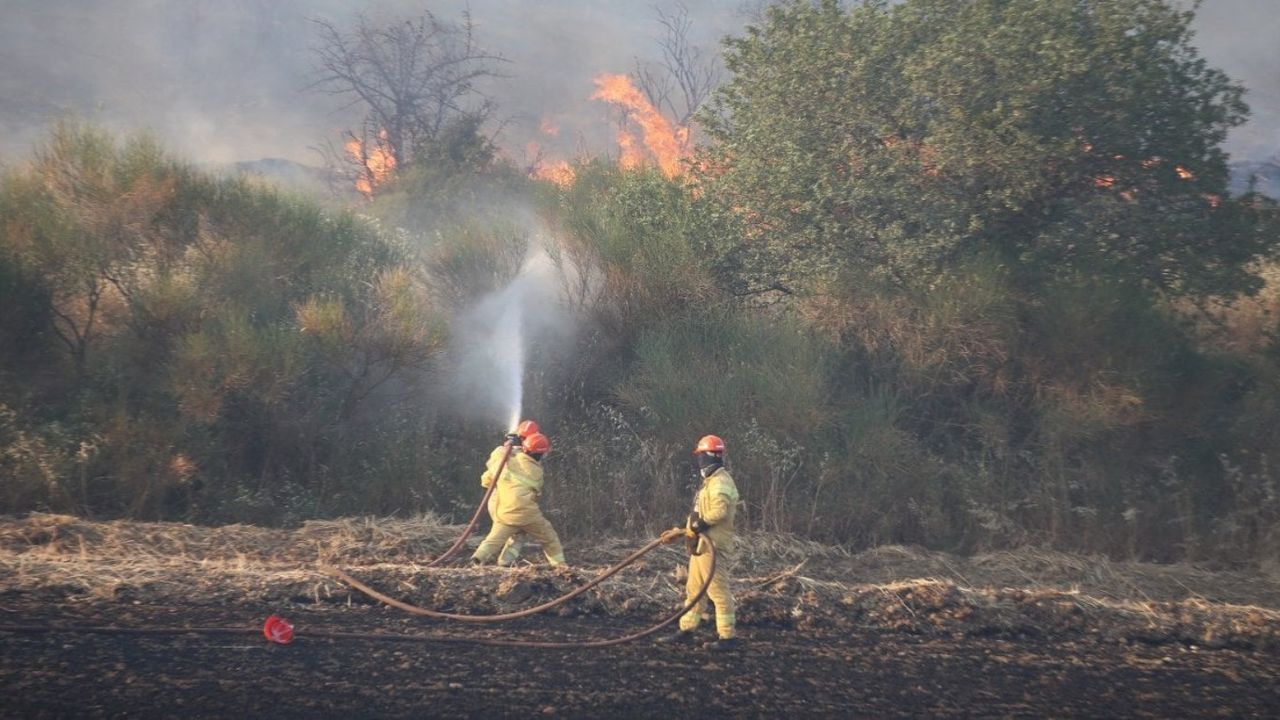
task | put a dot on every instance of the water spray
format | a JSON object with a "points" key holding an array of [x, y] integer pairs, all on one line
{"points": [[507, 351], [511, 361], [490, 363]]}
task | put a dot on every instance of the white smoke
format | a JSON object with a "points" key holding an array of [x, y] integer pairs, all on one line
{"points": [[1242, 38], [222, 80], [226, 80]]}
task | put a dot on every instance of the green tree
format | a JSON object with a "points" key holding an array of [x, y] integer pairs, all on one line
{"points": [[1067, 137], [457, 171], [82, 221], [183, 342]]}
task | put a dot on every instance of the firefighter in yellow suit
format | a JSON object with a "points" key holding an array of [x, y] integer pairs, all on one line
{"points": [[511, 550], [516, 511], [714, 508]]}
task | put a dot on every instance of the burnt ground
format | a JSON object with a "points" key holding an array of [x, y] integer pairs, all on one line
{"points": [[777, 673], [814, 646]]}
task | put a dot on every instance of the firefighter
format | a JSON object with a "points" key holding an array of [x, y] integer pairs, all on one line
{"points": [[511, 551], [515, 510], [714, 507]]}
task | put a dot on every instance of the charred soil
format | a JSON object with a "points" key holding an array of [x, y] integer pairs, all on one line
{"points": [[891, 632]]}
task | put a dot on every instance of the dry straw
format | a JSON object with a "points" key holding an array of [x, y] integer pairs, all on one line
{"points": [[782, 580]]}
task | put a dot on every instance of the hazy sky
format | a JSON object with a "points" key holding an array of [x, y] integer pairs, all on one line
{"points": [[222, 80], [1242, 37]]}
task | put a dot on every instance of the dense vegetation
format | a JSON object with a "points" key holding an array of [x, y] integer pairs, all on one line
{"points": [[963, 274]]}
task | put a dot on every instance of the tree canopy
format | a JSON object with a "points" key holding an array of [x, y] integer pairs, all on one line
{"points": [[1063, 137]]}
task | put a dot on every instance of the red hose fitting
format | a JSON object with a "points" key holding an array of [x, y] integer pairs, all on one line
{"points": [[278, 630]]}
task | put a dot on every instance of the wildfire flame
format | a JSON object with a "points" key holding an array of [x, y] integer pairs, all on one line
{"points": [[376, 161], [1108, 181], [667, 142], [658, 140], [559, 172], [630, 151]]}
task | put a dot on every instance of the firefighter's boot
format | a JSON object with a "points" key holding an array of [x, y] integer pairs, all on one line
{"points": [[679, 637], [724, 644]]}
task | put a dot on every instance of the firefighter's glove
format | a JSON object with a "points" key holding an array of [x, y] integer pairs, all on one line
{"points": [[672, 535], [697, 524], [513, 440]]}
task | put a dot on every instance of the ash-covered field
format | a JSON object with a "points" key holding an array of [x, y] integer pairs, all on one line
{"points": [[893, 631]]}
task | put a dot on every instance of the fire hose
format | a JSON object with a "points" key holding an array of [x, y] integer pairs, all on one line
{"points": [[280, 631], [414, 637], [475, 518], [415, 610]]}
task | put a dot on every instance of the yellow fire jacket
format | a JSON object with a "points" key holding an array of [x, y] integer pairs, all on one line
{"points": [[515, 500], [717, 503]]}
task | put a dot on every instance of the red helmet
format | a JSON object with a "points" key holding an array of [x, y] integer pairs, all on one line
{"points": [[526, 428], [709, 444], [537, 443]]}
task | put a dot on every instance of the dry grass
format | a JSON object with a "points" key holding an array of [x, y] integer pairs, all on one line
{"points": [[347, 539], [1091, 575], [779, 580]]}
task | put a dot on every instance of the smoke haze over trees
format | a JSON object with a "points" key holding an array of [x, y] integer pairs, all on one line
{"points": [[223, 81]]}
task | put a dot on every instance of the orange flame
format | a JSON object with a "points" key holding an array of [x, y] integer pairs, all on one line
{"points": [[667, 142], [560, 172], [1184, 173], [630, 152], [377, 162]]}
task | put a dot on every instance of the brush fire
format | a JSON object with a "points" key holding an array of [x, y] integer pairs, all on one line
{"points": [[375, 161], [644, 136], [987, 338], [663, 141]]}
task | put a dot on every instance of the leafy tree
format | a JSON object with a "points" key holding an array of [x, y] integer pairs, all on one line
{"points": [[646, 236], [25, 310], [1068, 137], [81, 221], [456, 172], [177, 331]]}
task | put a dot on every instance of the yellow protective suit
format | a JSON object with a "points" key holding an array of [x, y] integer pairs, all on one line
{"points": [[511, 550], [514, 508], [717, 503]]}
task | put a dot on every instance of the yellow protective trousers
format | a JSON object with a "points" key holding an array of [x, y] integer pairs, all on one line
{"points": [[539, 528], [719, 594], [510, 551]]}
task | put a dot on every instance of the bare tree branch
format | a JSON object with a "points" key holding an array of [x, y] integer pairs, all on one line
{"points": [[687, 74], [412, 76]]}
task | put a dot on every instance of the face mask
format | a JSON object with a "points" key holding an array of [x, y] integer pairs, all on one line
{"points": [[708, 463]]}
